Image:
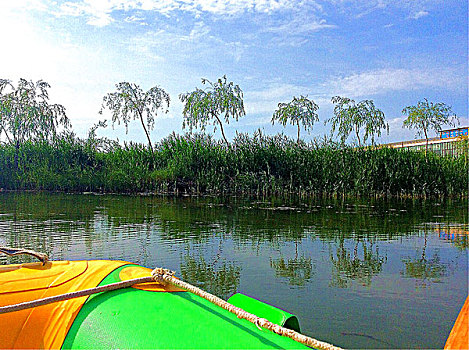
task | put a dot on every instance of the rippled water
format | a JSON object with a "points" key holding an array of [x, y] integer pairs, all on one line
{"points": [[359, 274]]}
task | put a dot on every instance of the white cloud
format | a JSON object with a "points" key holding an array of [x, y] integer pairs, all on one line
{"points": [[25, 5], [360, 8], [136, 19], [233, 7], [100, 21], [267, 100], [300, 26], [278, 91], [99, 12], [396, 131], [198, 31], [385, 80], [256, 121], [70, 9], [420, 14], [176, 44]]}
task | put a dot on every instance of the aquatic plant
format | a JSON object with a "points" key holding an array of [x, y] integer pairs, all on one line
{"points": [[252, 165]]}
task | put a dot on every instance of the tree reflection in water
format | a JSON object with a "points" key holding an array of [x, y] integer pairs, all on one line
{"points": [[221, 279], [425, 270], [298, 270], [358, 265]]}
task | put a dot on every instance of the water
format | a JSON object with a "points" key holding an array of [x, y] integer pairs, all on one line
{"points": [[358, 274]]}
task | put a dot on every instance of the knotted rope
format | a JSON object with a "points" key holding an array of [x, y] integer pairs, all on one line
{"points": [[166, 277], [19, 251]]}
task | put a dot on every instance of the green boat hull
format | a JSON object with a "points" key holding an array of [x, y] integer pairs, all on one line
{"points": [[140, 319]]}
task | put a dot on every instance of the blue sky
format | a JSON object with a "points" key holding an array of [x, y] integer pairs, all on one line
{"points": [[395, 52]]}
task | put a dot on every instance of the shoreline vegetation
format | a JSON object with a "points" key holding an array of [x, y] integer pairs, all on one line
{"points": [[36, 156], [251, 165]]}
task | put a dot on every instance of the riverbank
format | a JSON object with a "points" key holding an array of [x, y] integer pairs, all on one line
{"points": [[250, 166]]}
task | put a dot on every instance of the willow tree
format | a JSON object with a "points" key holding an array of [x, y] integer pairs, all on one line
{"points": [[426, 116], [357, 117], [220, 100], [130, 102], [300, 112], [25, 113]]}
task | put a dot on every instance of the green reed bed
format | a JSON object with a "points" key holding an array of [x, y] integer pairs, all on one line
{"points": [[64, 165], [255, 165]]}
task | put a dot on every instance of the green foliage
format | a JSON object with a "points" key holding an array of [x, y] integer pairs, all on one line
{"points": [[426, 116], [100, 143], [130, 102], [25, 112], [349, 117], [299, 110], [63, 165], [253, 165], [462, 146], [203, 106]]}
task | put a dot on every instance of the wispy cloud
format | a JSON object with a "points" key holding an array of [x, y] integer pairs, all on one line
{"points": [[136, 19], [295, 25], [97, 14], [103, 12], [386, 80], [100, 12], [277, 91], [232, 7], [420, 14], [25, 5], [267, 100], [396, 131], [300, 26], [176, 43], [359, 8]]}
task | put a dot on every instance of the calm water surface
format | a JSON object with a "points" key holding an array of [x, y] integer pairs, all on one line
{"points": [[359, 274]]}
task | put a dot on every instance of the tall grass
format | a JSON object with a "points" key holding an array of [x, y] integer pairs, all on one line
{"points": [[256, 165]]}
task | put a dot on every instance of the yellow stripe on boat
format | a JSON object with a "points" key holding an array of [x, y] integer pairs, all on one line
{"points": [[45, 326]]}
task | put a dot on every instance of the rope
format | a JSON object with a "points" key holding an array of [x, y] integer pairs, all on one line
{"points": [[165, 277], [19, 251], [73, 295]]}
